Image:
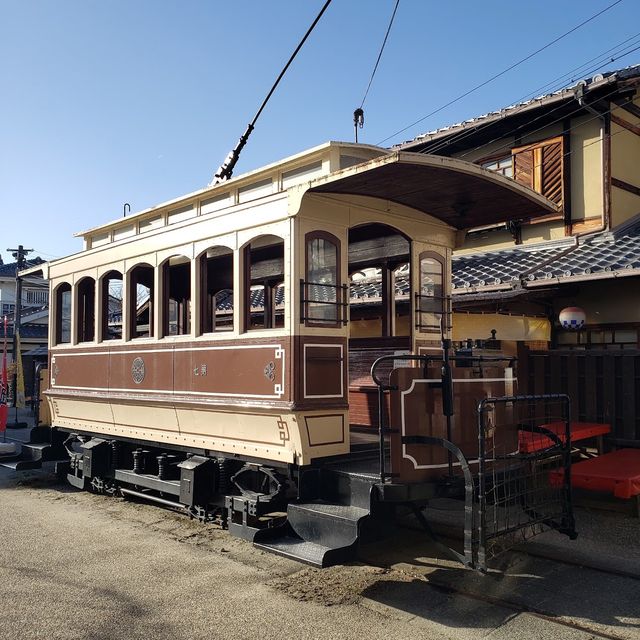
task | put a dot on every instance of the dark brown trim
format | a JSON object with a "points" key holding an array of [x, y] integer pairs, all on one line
{"points": [[621, 184], [114, 274], [329, 237], [85, 309], [60, 290], [634, 128], [443, 265], [566, 174], [606, 169], [324, 415], [628, 106]]}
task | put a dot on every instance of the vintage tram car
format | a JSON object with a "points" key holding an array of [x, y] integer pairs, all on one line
{"points": [[215, 353]]}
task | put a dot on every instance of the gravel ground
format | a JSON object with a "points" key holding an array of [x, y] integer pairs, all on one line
{"points": [[78, 566]]}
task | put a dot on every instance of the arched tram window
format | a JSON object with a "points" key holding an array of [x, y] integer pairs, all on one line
{"points": [[112, 306], [176, 306], [323, 298], [264, 283], [85, 313], [141, 301], [430, 299], [63, 314], [216, 281]]}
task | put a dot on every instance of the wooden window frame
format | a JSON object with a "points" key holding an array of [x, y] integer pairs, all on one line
{"points": [[269, 285], [339, 304], [184, 320], [86, 311], [63, 287], [104, 293], [207, 314], [133, 303], [441, 260]]}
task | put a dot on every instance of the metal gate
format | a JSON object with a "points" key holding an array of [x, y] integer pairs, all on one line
{"points": [[506, 459]]}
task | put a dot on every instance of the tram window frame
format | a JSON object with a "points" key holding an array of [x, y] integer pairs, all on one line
{"points": [[223, 284], [105, 287], [437, 307], [63, 291], [269, 283], [86, 309], [134, 334], [172, 280], [338, 303]]}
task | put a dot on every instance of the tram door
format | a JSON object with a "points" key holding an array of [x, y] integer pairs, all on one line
{"points": [[416, 409], [379, 313]]}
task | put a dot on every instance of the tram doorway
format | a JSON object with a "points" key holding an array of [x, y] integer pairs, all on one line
{"points": [[379, 316]]}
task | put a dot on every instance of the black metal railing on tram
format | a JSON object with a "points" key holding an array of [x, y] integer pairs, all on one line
{"points": [[330, 300]]}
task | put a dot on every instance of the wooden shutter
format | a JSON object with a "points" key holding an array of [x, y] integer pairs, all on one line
{"points": [[524, 166], [540, 166]]}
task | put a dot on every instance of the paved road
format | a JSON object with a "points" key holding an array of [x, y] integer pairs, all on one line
{"points": [[78, 566]]}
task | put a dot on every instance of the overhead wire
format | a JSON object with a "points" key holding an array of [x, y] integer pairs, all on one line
{"points": [[504, 71], [384, 42]]}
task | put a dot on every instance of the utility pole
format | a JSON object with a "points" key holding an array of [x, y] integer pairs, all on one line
{"points": [[20, 255]]}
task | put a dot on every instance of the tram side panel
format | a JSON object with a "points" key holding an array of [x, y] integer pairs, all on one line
{"points": [[278, 399]]}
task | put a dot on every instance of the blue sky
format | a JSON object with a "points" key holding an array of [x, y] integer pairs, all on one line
{"points": [[139, 101]]}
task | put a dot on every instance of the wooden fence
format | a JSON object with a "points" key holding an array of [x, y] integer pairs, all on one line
{"points": [[604, 386]]}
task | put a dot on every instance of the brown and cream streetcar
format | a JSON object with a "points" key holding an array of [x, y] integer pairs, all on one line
{"points": [[273, 352]]}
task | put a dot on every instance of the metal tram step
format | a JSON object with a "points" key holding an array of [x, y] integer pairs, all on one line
{"points": [[310, 553], [327, 524], [32, 455], [317, 533], [21, 465]]}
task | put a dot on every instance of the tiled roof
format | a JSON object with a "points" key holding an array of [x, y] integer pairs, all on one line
{"points": [[8, 270], [565, 93], [32, 331], [602, 255]]}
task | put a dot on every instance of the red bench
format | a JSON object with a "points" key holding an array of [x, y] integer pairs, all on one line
{"points": [[617, 472], [531, 442]]}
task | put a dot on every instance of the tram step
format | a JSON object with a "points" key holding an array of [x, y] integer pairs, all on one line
{"points": [[326, 524], [346, 488], [21, 465], [311, 553]]}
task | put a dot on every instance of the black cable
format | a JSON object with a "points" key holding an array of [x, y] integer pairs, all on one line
{"points": [[503, 72], [226, 169], [384, 42], [293, 55]]}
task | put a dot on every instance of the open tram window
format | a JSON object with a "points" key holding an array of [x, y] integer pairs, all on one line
{"points": [[85, 311], [321, 293], [141, 300], [176, 310], [379, 283], [430, 301], [112, 306], [63, 314], [264, 290], [216, 275]]}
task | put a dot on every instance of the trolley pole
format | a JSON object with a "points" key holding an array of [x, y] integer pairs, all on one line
{"points": [[20, 255]]}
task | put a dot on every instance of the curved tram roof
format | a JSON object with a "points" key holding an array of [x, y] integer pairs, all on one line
{"points": [[459, 193]]}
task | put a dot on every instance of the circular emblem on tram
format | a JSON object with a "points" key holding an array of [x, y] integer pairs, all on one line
{"points": [[137, 370]]}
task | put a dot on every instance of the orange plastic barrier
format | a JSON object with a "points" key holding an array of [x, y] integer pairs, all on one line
{"points": [[530, 442]]}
